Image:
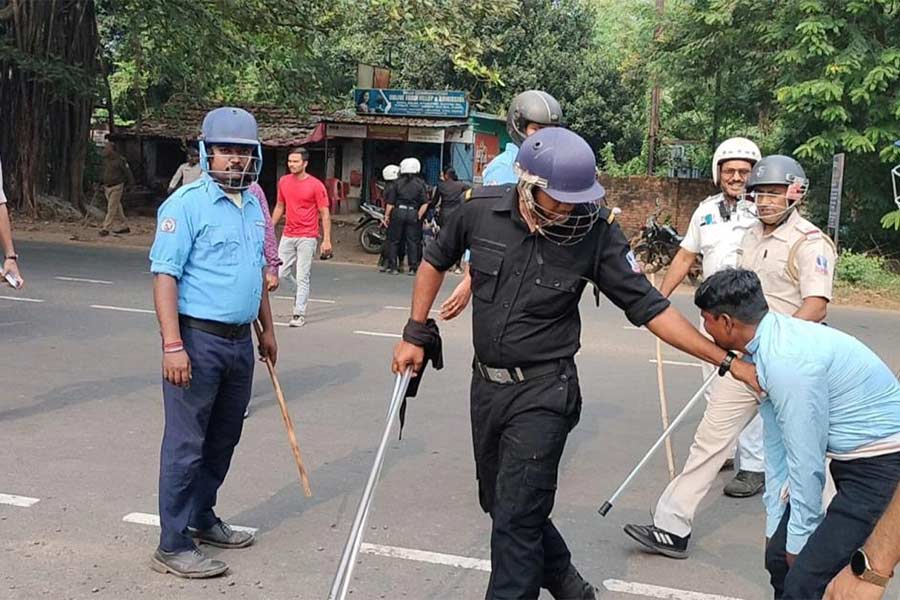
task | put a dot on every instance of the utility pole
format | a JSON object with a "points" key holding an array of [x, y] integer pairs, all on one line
{"points": [[654, 100]]}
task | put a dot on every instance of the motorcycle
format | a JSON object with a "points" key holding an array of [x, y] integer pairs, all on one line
{"points": [[372, 231], [656, 245]]}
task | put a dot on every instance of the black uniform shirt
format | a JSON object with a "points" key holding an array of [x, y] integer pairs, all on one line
{"points": [[408, 192], [450, 193], [526, 288]]}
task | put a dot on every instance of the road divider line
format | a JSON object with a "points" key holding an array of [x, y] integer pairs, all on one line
{"points": [[378, 334], [153, 520], [678, 363], [481, 564], [123, 309], [633, 328], [654, 591], [82, 280], [435, 558], [18, 299], [406, 308], [13, 500], [319, 300]]}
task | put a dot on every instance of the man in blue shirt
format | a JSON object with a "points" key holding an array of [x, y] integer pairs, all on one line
{"points": [[828, 396], [528, 112], [208, 261]]}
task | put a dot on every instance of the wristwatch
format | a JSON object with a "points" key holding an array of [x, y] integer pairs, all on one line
{"points": [[725, 365], [859, 564], [11, 257]]}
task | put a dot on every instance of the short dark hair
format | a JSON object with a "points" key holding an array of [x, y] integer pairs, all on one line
{"points": [[450, 173], [736, 292], [301, 151]]}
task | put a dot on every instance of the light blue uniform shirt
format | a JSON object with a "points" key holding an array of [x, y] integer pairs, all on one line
{"points": [[827, 392], [214, 249], [500, 170]]}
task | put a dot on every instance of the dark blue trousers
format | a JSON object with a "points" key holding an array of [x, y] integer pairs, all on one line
{"points": [[864, 489], [203, 426]]}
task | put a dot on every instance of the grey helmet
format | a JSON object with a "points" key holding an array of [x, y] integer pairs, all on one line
{"points": [[783, 170], [531, 106]]}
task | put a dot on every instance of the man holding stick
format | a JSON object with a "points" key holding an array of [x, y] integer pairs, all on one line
{"points": [[534, 246], [207, 260]]}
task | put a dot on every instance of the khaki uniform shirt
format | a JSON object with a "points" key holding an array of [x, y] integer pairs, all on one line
{"points": [[767, 256]]}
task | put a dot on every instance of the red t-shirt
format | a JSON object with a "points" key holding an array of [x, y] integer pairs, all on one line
{"points": [[302, 200]]}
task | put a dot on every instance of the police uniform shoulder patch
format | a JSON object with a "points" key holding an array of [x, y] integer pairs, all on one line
{"points": [[468, 195], [610, 217]]}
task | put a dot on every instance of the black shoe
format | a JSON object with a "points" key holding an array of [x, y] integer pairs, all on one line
{"points": [[122, 230], [190, 564], [571, 586], [221, 535], [746, 484], [103, 232], [728, 465], [659, 540], [382, 269]]}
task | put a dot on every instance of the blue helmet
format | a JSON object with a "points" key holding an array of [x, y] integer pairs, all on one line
{"points": [[231, 126], [561, 163]]}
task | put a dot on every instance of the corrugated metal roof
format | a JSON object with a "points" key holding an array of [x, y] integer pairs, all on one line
{"points": [[350, 116]]}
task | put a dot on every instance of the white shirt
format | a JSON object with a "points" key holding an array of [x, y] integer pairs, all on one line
{"points": [[2, 195], [186, 173], [715, 239]]}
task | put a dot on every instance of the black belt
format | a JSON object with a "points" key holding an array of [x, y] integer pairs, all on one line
{"points": [[516, 374], [224, 330]]}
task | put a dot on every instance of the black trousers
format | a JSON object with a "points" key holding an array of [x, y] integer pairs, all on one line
{"points": [[405, 229], [864, 489], [519, 431]]}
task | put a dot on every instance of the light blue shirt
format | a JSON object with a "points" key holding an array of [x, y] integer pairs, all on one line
{"points": [[827, 392], [500, 170], [214, 249]]}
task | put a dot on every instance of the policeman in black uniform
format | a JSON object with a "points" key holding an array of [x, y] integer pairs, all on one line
{"points": [[534, 246], [406, 204]]}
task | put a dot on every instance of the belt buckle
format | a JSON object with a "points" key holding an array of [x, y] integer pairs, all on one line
{"points": [[503, 376]]}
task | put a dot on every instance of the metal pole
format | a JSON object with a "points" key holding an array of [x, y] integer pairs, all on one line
{"points": [[341, 584], [681, 416]]}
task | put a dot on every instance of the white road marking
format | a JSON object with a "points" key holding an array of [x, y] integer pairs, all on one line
{"points": [[436, 558], [406, 308], [654, 591], [151, 519], [378, 334], [13, 500], [123, 309], [677, 363], [18, 299], [81, 280], [480, 564], [633, 328], [319, 300]]}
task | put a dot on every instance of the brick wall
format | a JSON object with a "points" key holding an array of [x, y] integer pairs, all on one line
{"points": [[637, 197]]}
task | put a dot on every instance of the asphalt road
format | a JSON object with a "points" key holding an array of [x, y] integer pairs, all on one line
{"points": [[81, 420]]}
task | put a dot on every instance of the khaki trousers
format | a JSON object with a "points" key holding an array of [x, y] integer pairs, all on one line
{"points": [[114, 212], [730, 407]]}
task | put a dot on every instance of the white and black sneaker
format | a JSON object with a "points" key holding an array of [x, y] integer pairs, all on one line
{"points": [[659, 540]]}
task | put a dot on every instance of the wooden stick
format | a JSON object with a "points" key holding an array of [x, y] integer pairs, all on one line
{"points": [[286, 417], [663, 403]]}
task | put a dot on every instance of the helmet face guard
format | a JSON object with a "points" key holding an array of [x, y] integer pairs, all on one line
{"points": [[561, 228], [794, 194], [895, 180], [232, 179]]}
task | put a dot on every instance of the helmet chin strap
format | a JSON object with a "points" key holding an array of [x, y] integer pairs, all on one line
{"points": [[776, 219]]}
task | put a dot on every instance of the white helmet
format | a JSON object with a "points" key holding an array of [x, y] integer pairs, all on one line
{"points": [[736, 148], [390, 173], [410, 166]]}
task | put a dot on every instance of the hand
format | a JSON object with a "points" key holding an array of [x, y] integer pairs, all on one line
{"points": [[12, 267], [458, 300], [790, 559], [406, 355], [271, 282], [177, 368], [745, 372], [847, 586], [326, 247], [268, 348], [422, 212]]}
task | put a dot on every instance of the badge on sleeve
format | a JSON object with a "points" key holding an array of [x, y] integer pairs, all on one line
{"points": [[167, 225], [633, 262], [822, 264]]}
